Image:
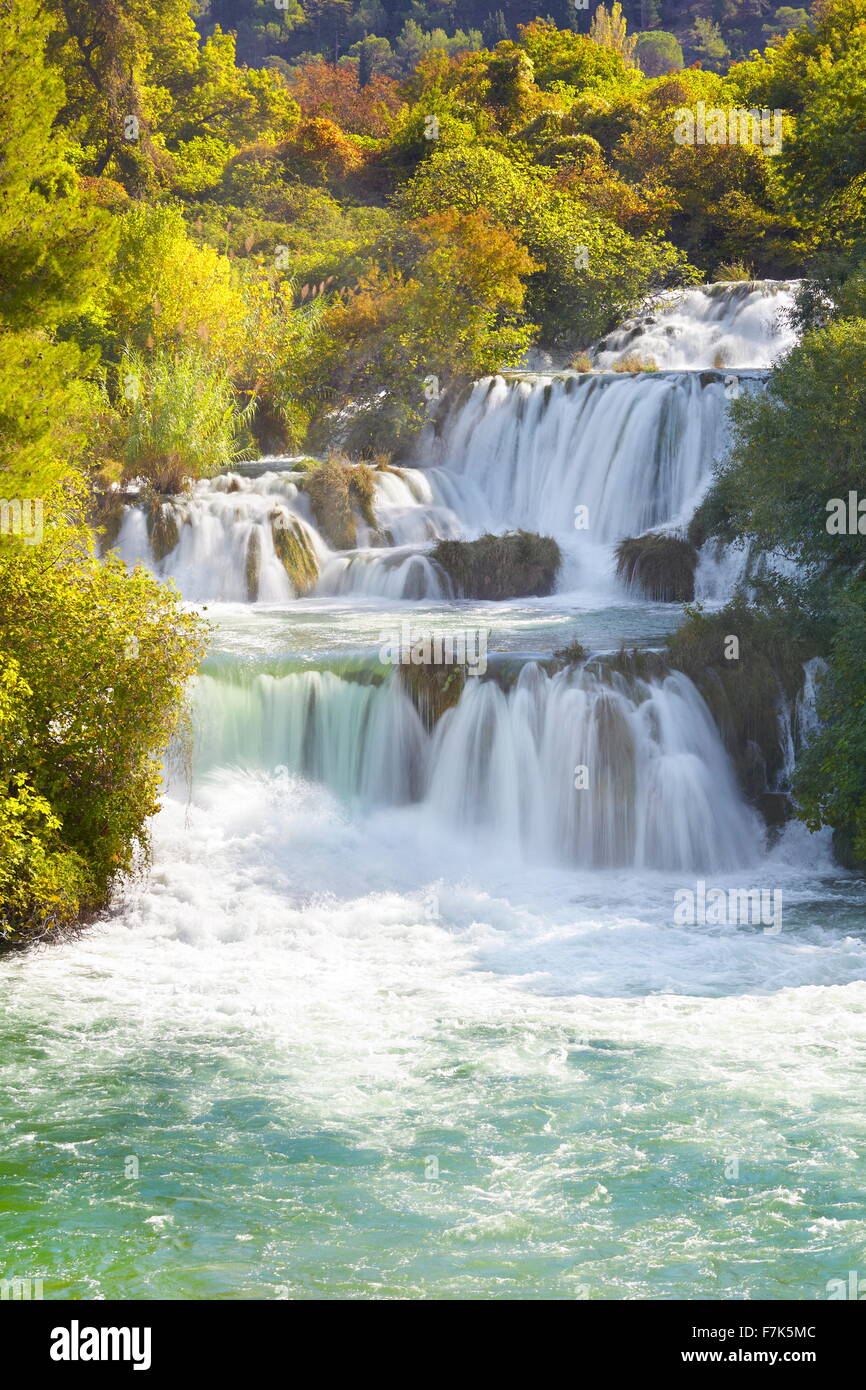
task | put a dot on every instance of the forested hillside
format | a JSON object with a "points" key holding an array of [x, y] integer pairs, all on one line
{"points": [[397, 32]]}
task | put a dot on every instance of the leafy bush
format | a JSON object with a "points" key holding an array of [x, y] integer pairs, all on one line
{"points": [[183, 418], [800, 444], [500, 567], [93, 673], [830, 783]]}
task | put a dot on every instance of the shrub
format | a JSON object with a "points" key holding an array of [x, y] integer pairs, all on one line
{"points": [[94, 667], [662, 566], [183, 418], [500, 567], [830, 782], [41, 883]]}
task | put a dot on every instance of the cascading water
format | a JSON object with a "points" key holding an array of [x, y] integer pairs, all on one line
{"points": [[660, 792], [403, 1009], [741, 324], [631, 452], [634, 451]]}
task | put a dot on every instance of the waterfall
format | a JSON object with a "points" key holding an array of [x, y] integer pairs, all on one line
{"points": [[217, 544], [741, 324], [590, 458], [635, 451], [576, 767]]}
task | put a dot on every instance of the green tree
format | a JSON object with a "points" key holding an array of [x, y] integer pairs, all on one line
{"points": [[658, 52], [830, 782], [54, 249], [800, 444], [708, 45]]}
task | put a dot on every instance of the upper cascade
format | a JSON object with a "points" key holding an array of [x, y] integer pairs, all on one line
{"points": [[587, 457], [634, 451], [738, 325]]}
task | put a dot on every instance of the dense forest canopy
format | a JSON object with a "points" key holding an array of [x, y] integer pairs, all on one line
{"points": [[712, 32]]}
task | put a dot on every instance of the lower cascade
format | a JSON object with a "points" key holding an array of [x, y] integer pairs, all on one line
{"points": [[570, 767]]}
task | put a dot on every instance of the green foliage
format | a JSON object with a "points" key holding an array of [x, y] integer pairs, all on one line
{"points": [[564, 58], [183, 419], [165, 290], [150, 104], [798, 445], [48, 410], [743, 689], [446, 310], [95, 664], [41, 882], [589, 270], [53, 244], [830, 783]]}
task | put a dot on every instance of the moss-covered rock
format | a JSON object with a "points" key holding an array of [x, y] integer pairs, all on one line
{"points": [[743, 682], [339, 491], [162, 529], [433, 688], [253, 565], [518, 565], [661, 566], [295, 552]]}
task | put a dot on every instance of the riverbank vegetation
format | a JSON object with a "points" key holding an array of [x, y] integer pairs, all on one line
{"points": [[239, 227], [794, 479]]}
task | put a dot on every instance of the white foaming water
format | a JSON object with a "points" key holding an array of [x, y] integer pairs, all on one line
{"points": [[216, 525], [721, 325], [635, 451], [395, 574], [223, 517], [659, 791]]}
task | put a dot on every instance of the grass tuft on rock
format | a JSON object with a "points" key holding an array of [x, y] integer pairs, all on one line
{"points": [[295, 552], [633, 362], [518, 565], [337, 489], [661, 566]]}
